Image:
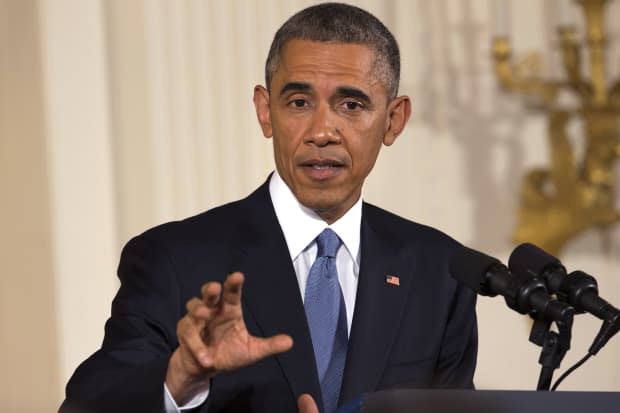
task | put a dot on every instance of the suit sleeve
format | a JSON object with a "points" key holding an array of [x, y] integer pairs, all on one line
{"points": [[128, 372], [457, 358]]}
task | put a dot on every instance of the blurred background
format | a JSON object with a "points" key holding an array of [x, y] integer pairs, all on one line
{"points": [[119, 115]]}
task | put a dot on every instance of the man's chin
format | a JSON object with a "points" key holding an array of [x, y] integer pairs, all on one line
{"points": [[328, 208]]}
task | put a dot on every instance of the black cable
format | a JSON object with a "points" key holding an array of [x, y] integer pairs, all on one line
{"points": [[570, 370]]}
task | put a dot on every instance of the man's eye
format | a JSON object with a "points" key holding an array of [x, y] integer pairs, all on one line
{"points": [[351, 105], [299, 103]]}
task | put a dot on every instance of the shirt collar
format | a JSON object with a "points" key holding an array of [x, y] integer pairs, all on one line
{"points": [[301, 225]]}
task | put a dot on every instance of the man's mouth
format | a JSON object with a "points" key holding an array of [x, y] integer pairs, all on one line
{"points": [[324, 166], [322, 163], [322, 169]]}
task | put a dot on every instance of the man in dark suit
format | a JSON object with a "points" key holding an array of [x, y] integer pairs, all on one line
{"points": [[401, 320]]}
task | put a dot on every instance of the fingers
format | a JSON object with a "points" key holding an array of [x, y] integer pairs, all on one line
{"points": [[201, 311], [306, 404], [190, 329], [197, 310], [190, 340], [211, 332], [211, 294], [232, 288]]}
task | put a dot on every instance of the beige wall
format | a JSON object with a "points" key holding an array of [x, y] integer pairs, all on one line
{"points": [[59, 245], [116, 116], [29, 338]]}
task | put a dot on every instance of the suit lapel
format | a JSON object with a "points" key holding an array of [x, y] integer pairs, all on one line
{"points": [[271, 292], [378, 310]]}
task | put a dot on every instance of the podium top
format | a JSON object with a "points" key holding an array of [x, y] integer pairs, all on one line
{"points": [[489, 401]]}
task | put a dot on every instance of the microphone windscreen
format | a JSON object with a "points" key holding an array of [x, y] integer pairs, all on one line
{"points": [[529, 258], [470, 267]]}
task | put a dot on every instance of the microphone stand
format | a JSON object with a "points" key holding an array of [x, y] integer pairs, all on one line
{"points": [[554, 347]]}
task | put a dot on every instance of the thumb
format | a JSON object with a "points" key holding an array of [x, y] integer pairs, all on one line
{"points": [[306, 404], [264, 347]]}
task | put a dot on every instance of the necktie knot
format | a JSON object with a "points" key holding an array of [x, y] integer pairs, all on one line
{"points": [[327, 243]]}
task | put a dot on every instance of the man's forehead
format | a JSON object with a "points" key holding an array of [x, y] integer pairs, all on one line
{"points": [[303, 60], [294, 48]]}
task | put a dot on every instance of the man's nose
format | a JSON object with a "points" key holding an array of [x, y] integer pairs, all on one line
{"points": [[323, 129]]}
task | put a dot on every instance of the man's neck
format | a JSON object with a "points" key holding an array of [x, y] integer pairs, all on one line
{"points": [[301, 224]]}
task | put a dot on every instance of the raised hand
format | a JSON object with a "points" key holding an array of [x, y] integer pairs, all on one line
{"points": [[213, 338]]}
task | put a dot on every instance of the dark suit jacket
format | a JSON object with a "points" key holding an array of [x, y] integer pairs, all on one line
{"points": [[421, 333]]}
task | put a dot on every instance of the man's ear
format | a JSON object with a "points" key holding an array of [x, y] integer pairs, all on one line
{"points": [[399, 111], [261, 104]]}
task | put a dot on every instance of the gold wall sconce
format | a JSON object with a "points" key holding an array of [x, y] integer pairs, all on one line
{"points": [[570, 195]]}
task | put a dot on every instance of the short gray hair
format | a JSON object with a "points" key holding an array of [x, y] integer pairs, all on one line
{"points": [[340, 23]]}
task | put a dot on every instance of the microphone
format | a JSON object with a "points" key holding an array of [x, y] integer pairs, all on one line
{"points": [[578, 288], [523, 292]]}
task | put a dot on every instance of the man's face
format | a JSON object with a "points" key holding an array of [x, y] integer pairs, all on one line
{"points": [[328, 114]]}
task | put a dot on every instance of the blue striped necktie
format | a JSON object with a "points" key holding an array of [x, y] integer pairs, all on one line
{"points": [[327, 318]]}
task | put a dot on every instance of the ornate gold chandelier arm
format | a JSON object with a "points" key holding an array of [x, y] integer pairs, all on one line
{"points": [[510, 80], [594, 13], [504, 69], [571, 59], [563, 166], [614, 95], [570, 195]]}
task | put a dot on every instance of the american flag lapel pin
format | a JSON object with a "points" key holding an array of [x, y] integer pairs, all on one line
{"points": [[392, 279]]}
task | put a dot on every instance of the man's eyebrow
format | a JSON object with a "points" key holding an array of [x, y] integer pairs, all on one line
{"points": [[353, 92], [295, 86]]}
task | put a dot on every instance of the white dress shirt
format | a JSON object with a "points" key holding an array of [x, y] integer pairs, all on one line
{"points": [[301, 226]]}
